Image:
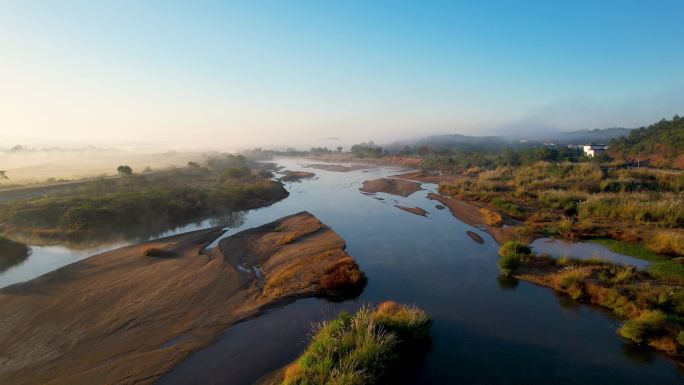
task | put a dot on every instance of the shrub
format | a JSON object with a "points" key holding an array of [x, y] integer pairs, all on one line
{"points": [[490, 217], [515, 248], [363, 348], [509, 264], [680, 337], [571, 278], [647, 324], [342, 278], [667, 242]]}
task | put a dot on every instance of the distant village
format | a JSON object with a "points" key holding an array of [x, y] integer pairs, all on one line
{"points": [[589, 149]]}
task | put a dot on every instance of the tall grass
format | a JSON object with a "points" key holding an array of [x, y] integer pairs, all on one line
{"points": [[361, 349], [666, 210]]}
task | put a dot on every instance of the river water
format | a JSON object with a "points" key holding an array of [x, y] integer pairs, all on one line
{"points": [[486, 330]]}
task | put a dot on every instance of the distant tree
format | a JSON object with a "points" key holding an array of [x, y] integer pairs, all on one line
{"points": [[424, 150], [193, 165], [124, 170], [3, 175], [147, 169], [339, 148]]}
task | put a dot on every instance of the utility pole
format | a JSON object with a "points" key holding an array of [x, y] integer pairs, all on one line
{"points": [[638, 159]]}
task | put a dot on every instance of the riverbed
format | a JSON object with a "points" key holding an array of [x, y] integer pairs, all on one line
{"points": [[486, 329]]}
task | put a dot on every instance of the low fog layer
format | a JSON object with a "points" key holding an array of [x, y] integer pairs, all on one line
{"points": [[31, 165]]}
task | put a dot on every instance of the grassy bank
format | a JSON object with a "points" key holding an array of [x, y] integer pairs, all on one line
{"points": [[651, 303], [159, 200], [584, 200], [367, 347], [12, 253]]}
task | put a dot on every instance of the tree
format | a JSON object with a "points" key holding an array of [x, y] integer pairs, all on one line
{"points": [[339, 148], [124, 170], [193, 165], [3, 175]]}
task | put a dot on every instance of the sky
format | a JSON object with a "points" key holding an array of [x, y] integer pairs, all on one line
{"points": [[235, 74]]}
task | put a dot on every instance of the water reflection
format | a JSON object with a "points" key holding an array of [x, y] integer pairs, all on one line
{"points": [[583, 250], [506, 282]]}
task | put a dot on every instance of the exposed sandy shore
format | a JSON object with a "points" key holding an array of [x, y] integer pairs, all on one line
{"points": [[399, 187], [471, 215], [124, 318], [428, 177], [413, 210], [475, 237], [338, 167], [293, 176]]}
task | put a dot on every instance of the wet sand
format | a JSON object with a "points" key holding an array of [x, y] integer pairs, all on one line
{"points": [[338, 167], [428, 177], [475, 237], [295, 176], [122, 317], [399, 187], [413, 210], [470, 214]]}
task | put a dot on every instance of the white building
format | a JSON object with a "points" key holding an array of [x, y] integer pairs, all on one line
{"points": [[594, 149]]}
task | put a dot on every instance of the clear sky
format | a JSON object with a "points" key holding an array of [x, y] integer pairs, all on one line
{"points": [[227, 74]]}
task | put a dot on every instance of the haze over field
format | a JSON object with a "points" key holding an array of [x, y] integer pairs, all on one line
{"points": [[226, 76]]}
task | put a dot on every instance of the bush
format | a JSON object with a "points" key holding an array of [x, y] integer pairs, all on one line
{"points": [[511, 255], [508, 264], [647, 324], [515, 248], [363, 348], [490, 217], [342, 278], [667, 242]]}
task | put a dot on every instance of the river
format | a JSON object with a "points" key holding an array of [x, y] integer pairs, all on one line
{"points": [[486, 330]]}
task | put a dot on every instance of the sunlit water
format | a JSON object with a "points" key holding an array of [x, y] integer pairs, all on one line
{"points": [[584, 250], [486, 330]]}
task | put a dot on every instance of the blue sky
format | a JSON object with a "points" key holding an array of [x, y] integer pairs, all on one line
{"points": [[232, 74]]}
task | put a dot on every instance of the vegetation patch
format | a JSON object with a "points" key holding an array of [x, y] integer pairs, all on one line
{"points": [[367, 347], [12, 253], [150, 201], [652, 303]]}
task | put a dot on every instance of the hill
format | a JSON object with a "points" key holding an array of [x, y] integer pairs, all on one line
{"points": [[658, 145]]}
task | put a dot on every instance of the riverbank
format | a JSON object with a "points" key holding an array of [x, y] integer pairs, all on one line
{"points": [[142, 309]]}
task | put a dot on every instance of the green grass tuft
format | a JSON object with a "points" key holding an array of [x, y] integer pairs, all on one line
{"points": [[364, 348]]}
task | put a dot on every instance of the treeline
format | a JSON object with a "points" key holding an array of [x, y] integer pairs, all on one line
{"points": [[658, 145], [509, 157], [164, 199]]}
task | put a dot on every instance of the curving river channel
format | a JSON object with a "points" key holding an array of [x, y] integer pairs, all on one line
{"points": [[486, 330]]}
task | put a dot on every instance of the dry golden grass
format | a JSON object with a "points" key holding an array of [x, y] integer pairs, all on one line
{"points": [[491, 218], [154, 251]]}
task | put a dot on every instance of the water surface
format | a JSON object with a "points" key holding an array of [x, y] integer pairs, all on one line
{"points": [[487, 330]]}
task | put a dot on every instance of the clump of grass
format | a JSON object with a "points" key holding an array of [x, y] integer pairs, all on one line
{"points": [[647, 324], [344, 277], [563, 260], [621, 273], [511, 255], [153, 251], [491, 218], [364, 348], [667, 242], [571, 278]]}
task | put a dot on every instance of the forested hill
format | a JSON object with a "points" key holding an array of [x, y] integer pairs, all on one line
{"points": [[658, 145]]}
